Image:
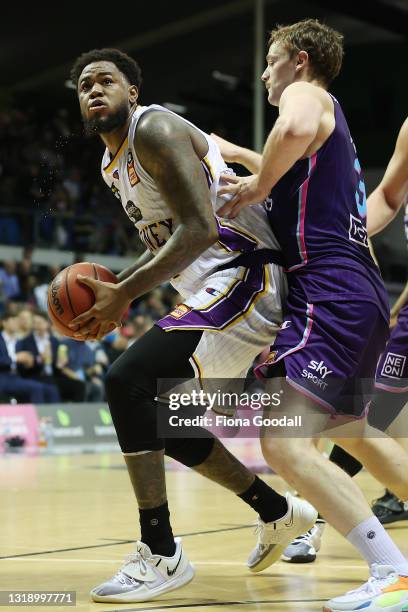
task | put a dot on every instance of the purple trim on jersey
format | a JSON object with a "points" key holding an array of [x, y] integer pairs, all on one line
{"points": [[258, 371], [391, 389], [232, 239], [312, 396], [302, 200], [325, 405], [223, 311]]}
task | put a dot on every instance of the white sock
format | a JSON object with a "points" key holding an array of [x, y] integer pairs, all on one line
{"points": [[376, 546]]}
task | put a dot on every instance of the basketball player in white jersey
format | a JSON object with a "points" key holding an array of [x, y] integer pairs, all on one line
{"points": [[165, 172]]}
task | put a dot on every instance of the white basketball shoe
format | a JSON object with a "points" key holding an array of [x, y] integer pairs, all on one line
{"points": [[274, 537], [385, 591], [145, 576], [305, 547]]}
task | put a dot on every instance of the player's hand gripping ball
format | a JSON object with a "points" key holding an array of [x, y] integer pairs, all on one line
{"points": [[68, 297]]}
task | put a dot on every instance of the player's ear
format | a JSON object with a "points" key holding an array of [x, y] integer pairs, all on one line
{"points": [[133, 94], [302, 60]]}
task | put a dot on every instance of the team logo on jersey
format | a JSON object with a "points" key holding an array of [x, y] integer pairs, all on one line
{"points": [[271, 358], [180, 311], [133, 212], [115, 192], [394, 366], [212, 291], [133, 178], [116, 175]]}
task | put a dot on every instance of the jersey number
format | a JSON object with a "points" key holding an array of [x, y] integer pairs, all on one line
{"points": [[361, 199]]}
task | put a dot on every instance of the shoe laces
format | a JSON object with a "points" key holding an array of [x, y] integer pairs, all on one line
{"points": [[139, 559], [305, 537], [374, 584], [265, 532]]}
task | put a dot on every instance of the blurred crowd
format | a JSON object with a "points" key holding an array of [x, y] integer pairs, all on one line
{"points": [[37, 365], [51, 190]]}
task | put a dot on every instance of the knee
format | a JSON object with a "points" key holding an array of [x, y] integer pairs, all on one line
{"points": [[124, 380], [191, 452], [115, 378], [277, 453], [284, 454]]}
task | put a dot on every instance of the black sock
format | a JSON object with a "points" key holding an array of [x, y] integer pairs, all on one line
{"points": [[268, 503], [346, 461], [156, 530]]}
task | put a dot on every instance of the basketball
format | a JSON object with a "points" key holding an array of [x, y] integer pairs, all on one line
{"points": [[68, 298]]}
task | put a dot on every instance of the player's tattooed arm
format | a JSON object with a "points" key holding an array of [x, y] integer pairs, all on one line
{"points": [[165, 149], [141, 261], [386, 200]]}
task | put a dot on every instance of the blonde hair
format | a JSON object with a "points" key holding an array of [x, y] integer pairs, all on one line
{"points": [[323, 45]]}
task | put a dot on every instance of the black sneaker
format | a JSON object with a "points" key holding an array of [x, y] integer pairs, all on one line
{"points": [[389, 509]]}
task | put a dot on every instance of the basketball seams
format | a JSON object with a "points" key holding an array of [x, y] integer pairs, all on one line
{"points": [[57, 322], [50, 306], [70, 290], [67, 291]]}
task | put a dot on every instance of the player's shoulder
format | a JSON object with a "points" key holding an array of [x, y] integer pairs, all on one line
{"points": [[157, 127], [304, 88]]}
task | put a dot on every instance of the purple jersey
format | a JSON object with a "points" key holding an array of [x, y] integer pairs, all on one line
{"points": [[318, 213]]}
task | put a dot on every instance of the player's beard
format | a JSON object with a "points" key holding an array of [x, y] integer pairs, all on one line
{"points": [[109, 123]]}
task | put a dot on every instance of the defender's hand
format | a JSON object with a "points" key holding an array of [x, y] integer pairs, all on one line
{"points": [[244, 191]]}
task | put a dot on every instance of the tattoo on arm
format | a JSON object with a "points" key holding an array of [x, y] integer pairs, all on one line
{"points": [[165, 149], [141, 261]]}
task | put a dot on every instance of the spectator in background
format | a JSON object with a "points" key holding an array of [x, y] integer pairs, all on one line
{"points": [[11, 384], [43, 347], [41, 290], [77, 370], [96, 390], [25, 322], [9, 280], [153, 305], [73, 184], [139, 325]]}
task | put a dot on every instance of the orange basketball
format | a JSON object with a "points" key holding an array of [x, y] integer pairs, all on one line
{"points": [[68, 298]]}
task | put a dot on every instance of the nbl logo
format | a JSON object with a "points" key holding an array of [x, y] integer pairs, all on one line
{"points": [[394, 366]]}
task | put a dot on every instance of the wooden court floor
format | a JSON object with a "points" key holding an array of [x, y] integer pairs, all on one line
{"points": [[67, 523]]}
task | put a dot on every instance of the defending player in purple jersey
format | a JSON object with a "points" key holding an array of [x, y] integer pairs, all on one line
{"points": [[336, 321], [318, 210], [391, 394]]}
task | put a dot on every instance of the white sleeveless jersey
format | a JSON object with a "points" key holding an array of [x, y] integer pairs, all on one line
{"points": [[145, 207]]}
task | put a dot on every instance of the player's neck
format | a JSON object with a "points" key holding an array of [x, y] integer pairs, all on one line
{"points": [[113, 140]]}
